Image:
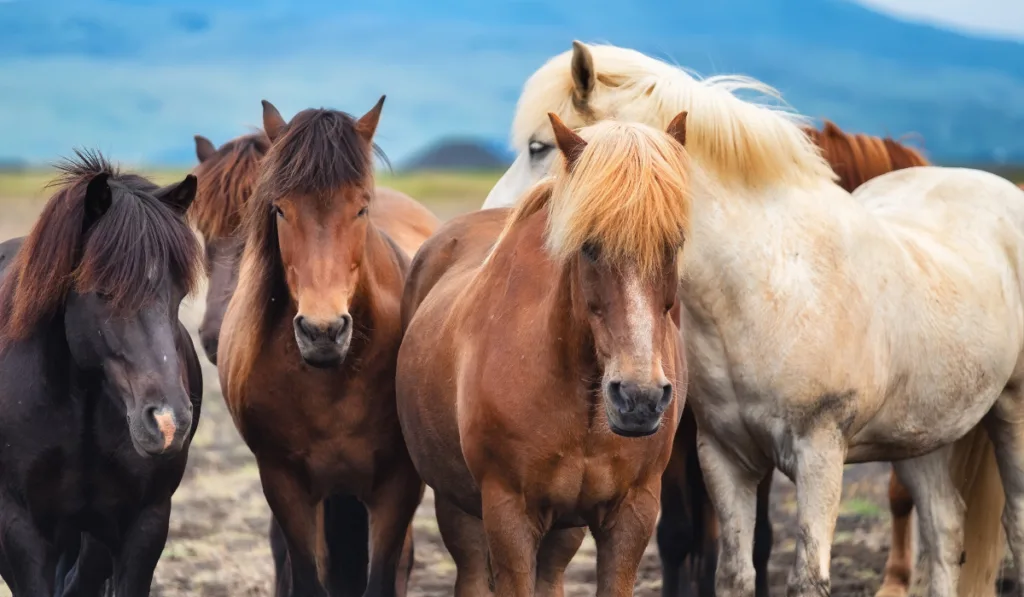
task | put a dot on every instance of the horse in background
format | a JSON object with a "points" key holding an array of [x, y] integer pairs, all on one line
{"points": [[308, 348], [541, 375], [100, 385], [627, 85]]}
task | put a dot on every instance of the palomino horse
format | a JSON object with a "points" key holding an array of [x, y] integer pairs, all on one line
{"points": [[542, 369], [308, 348], [766, 179], [227, 177], [100, 386]]}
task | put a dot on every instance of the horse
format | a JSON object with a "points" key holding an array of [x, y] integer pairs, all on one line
{"points": [[100, 385], [227, 176], [308, 346], [761, 161], [540, 379]]}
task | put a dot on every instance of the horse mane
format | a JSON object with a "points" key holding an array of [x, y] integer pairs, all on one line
{"points": [[857, 158], [226, 181], [745, 143], [114, 256], [319, 152], [628, 192]]}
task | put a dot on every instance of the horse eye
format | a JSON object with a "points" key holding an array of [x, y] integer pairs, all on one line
{"points": [[591, 251], [363, 212], [538, 148], [277, 211]]}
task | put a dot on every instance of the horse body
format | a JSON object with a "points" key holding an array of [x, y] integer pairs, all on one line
{"points": [[100, 385]]}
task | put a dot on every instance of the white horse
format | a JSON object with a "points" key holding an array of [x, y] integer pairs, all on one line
{"points": [[825, 327]]}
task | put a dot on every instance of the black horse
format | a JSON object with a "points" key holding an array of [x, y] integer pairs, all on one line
{"points": [[100, 385]]}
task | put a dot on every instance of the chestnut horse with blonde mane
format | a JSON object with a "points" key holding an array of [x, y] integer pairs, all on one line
{"points": [[308, 348], [227, 178], [542, 372], [760, 164]]}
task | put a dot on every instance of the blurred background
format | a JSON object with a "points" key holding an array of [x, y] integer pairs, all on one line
{"points": [[137, 79]]}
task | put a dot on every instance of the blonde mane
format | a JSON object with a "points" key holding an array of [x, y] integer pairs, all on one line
{"points": [[628, 192], [743, 143]]}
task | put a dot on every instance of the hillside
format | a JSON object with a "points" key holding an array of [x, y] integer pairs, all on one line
{"points": [[137, 79]]}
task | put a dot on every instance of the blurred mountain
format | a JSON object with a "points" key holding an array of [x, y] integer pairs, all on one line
{"points": [[137, 78], [459, 154]]}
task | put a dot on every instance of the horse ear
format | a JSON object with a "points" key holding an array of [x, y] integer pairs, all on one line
{"points": [[367, 125], [583, 77], [180, 195], [569, 143], [204, 148], [98, 199], [273, 123], [677, 128]]}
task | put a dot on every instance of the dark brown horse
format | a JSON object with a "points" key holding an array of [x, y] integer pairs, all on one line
{"points": [[537, 381], [100, 386], [308, 348]]}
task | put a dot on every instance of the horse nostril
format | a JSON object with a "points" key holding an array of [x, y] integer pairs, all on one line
{"points": [[160, 421], [666, 396], [342, 326]]}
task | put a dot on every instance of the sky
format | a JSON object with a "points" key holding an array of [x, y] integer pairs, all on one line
{"points": [[1002, 18]]}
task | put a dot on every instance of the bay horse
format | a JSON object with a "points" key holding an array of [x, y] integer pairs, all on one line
{"points": [[100, 385], [594, 82], [308, 345], [540, 379], [227, 177]]}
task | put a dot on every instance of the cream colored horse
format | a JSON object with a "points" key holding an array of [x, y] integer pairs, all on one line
{"points": [[825, 327]]}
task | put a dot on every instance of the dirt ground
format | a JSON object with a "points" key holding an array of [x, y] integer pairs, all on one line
{"points": [[218, 545]]}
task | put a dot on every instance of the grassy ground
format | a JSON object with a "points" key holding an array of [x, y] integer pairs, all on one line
{"points": [[218, 547]]}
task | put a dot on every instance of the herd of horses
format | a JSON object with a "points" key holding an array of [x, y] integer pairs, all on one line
{"points": [[670, 294]]}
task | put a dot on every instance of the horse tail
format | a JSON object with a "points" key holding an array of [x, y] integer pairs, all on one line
{"points": [[973, 468]]}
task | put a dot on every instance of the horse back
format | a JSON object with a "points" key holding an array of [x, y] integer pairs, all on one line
{"points": [[462, 241], [406, 221]]}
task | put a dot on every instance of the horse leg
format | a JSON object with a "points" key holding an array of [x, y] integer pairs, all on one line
{"points": [[347, 531], [621, 540], [405, 564], [763, 535], [677, 532], [556, 551], [463, 535], [30, 565], [392, 506], [896, 582], [940, 516], [1005, 424], [279, 553], [93, 566], [513, 540], [733, 490], [140, 549], [299, 516], [818, 476]]}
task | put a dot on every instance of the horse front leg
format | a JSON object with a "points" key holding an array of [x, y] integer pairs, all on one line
{"points": [[28, 562], [464, 537], [818, 475], [899, 564], [622, 538], [514, 534], [733, 491], [300, 516], [392, 507], [140, 550]]}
